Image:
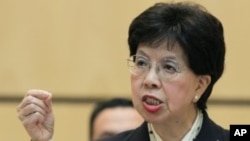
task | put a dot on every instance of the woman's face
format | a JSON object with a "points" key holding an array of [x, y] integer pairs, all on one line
{"points": [[166, 88]]}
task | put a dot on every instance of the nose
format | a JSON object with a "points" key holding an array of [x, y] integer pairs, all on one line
{"points": [[152, 79]]}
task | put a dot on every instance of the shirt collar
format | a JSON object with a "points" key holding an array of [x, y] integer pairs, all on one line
{"points": [[191, 135]]}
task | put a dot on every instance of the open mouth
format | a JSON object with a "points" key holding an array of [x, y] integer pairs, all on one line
{"points": [[151, 100], [151, 103]]}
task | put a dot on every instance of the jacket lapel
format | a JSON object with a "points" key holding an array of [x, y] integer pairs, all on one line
{"points": [[138, 134]]}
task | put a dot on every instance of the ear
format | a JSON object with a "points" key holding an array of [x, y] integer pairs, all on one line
{"points": [[203, 82]]}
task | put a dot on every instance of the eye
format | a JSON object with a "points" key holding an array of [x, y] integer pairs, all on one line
{"points": [[170, 67], [141, 62]]}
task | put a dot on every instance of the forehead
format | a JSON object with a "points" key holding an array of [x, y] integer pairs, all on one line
{"points": [[114, 118], [117, 114], [162, 50]]}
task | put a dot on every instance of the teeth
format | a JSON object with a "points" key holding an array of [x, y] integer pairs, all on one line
{"points": [[152, 101]]}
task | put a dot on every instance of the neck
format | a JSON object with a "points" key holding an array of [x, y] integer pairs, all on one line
{"points": [[177, 128]]}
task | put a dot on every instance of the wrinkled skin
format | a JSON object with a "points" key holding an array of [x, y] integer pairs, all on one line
{"points": [[35, 113]]}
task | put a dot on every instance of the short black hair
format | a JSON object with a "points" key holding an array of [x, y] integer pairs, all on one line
{"points": [[107, 104], [199, 34]]}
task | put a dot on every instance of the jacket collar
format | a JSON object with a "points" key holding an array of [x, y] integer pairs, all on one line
{"points": [[140, 133], [208, 129]]}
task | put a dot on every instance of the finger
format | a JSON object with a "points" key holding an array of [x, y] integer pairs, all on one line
{"points": [[48, 103], [41, 94], [33, 119], [29, 110], [32, 100]]}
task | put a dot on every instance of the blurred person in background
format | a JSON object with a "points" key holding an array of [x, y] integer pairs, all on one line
{"points": [[113, 116]]}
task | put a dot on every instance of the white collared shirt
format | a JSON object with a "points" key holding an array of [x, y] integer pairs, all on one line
{"points": [[191, 135]]}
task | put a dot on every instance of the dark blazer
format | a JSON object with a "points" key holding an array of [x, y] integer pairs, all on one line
{"points": [[210, 131]]}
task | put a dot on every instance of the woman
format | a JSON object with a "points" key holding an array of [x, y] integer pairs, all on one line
{"points": [[177, 54]]}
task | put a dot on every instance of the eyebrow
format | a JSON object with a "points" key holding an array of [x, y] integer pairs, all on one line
{"points": [[140, 52]]}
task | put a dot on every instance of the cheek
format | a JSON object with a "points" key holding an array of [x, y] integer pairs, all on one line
{"points": [[135, 88], [179, 92], [135, 85]]}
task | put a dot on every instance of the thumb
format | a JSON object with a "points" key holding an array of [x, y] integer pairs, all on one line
{"points": [[48, 102]]}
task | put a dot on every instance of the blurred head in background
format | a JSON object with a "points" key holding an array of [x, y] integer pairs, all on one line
{"points": [[113, 116]]}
